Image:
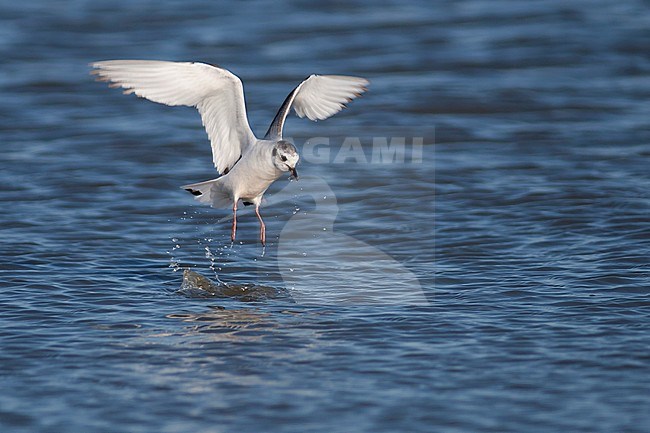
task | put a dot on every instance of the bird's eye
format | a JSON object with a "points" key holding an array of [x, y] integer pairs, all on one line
{"points": [[283, 158]]}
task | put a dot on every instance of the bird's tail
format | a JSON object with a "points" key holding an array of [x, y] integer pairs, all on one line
{"points": [[210, 192]]}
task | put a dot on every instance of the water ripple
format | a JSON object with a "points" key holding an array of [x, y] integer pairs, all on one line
{"points": [[522, 234]]}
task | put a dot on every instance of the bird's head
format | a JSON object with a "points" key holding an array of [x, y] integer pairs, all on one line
{"points": [[285, 157]]}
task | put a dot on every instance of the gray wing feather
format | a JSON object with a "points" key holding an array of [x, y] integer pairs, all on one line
{"points": [[318, 97], [217, 93]]}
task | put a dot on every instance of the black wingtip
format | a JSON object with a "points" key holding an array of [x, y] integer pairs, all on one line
{"points": [[194, 192]]}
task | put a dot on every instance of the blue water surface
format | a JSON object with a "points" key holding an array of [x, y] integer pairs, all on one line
{"points": [[522, 234]]}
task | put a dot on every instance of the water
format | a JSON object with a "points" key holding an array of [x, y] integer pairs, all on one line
{"points": [[522, 237]]}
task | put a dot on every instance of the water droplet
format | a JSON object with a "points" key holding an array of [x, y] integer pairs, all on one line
{"points": [[174, 265]]}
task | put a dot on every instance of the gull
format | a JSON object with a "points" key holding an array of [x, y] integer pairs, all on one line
{"points": [[248, 165]]}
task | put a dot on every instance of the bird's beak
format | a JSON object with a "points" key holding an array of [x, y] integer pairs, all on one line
{"points": [[294, 173]]}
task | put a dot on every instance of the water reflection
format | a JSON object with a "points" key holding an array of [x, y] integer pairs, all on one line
{"points": [[228, 324]]}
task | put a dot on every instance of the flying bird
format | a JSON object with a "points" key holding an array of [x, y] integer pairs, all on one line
{"points": [[248, 165]]}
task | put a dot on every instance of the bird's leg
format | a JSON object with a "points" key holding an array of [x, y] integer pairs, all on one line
{"points": [[262, 225], [234, 222]]}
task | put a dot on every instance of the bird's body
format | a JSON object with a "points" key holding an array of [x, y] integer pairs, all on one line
{"points": [[248, 165], [247, 181]]}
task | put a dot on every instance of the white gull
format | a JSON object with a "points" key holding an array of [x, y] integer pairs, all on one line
{"points": [[248, 165]]}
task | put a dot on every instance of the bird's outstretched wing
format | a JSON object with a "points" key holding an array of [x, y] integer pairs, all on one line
{"points": [[318, 97], [218, 94]]}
